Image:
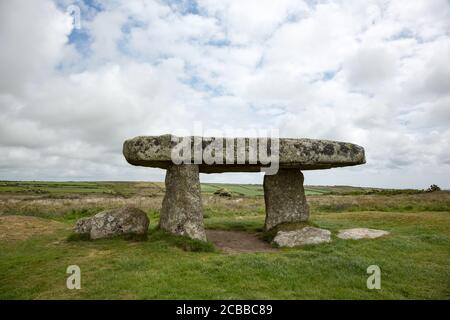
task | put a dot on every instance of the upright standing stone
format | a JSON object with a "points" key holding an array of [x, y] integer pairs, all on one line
{"points": [[284, 197], [181, 211]]}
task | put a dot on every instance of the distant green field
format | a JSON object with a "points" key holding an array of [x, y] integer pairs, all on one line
{"points": [[67, 188], [251, 190], [52, 187], [154, 188], [248, 190]]}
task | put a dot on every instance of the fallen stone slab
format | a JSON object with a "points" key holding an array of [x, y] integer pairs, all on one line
{"points": [[235, 154], [109, 223], [303, 236], [361, 233]]}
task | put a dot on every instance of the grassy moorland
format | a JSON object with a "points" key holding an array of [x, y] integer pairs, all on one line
{"points": [[36, 246]]}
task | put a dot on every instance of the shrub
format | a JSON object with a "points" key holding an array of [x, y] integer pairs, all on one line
{"points": [[433, 188], [223, 192]]}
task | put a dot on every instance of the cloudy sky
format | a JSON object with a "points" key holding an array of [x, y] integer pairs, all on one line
{"points": [[375, 73]]}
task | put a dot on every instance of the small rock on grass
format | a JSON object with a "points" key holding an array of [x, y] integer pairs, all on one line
{"points": [[361, 233], [109, 223], [306, 235]]}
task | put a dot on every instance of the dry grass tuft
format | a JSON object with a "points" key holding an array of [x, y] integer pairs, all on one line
{"points": [[14, 228]]}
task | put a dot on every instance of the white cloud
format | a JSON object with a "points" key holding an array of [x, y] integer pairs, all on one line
{"points": [[250, 21], [369, 67], [374, 73], [32, 37]]}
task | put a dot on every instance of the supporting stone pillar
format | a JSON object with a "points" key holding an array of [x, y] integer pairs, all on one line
{"points": [[182, 212], [284, 197]]}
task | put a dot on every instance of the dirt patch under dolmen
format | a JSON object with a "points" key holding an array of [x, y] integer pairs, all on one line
{"points": [[237, 241]]}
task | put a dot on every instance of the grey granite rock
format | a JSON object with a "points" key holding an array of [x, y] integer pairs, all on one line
{"points": [[361, 233], [115, 222], [182, 212], [306, 235], [304, 154], [284, 198]]}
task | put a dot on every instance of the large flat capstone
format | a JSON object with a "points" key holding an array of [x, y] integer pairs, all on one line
{"points": [[236, 153]]}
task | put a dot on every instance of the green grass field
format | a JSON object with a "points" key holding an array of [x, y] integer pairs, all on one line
{"points": [[136, 188], [35, 249]]}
